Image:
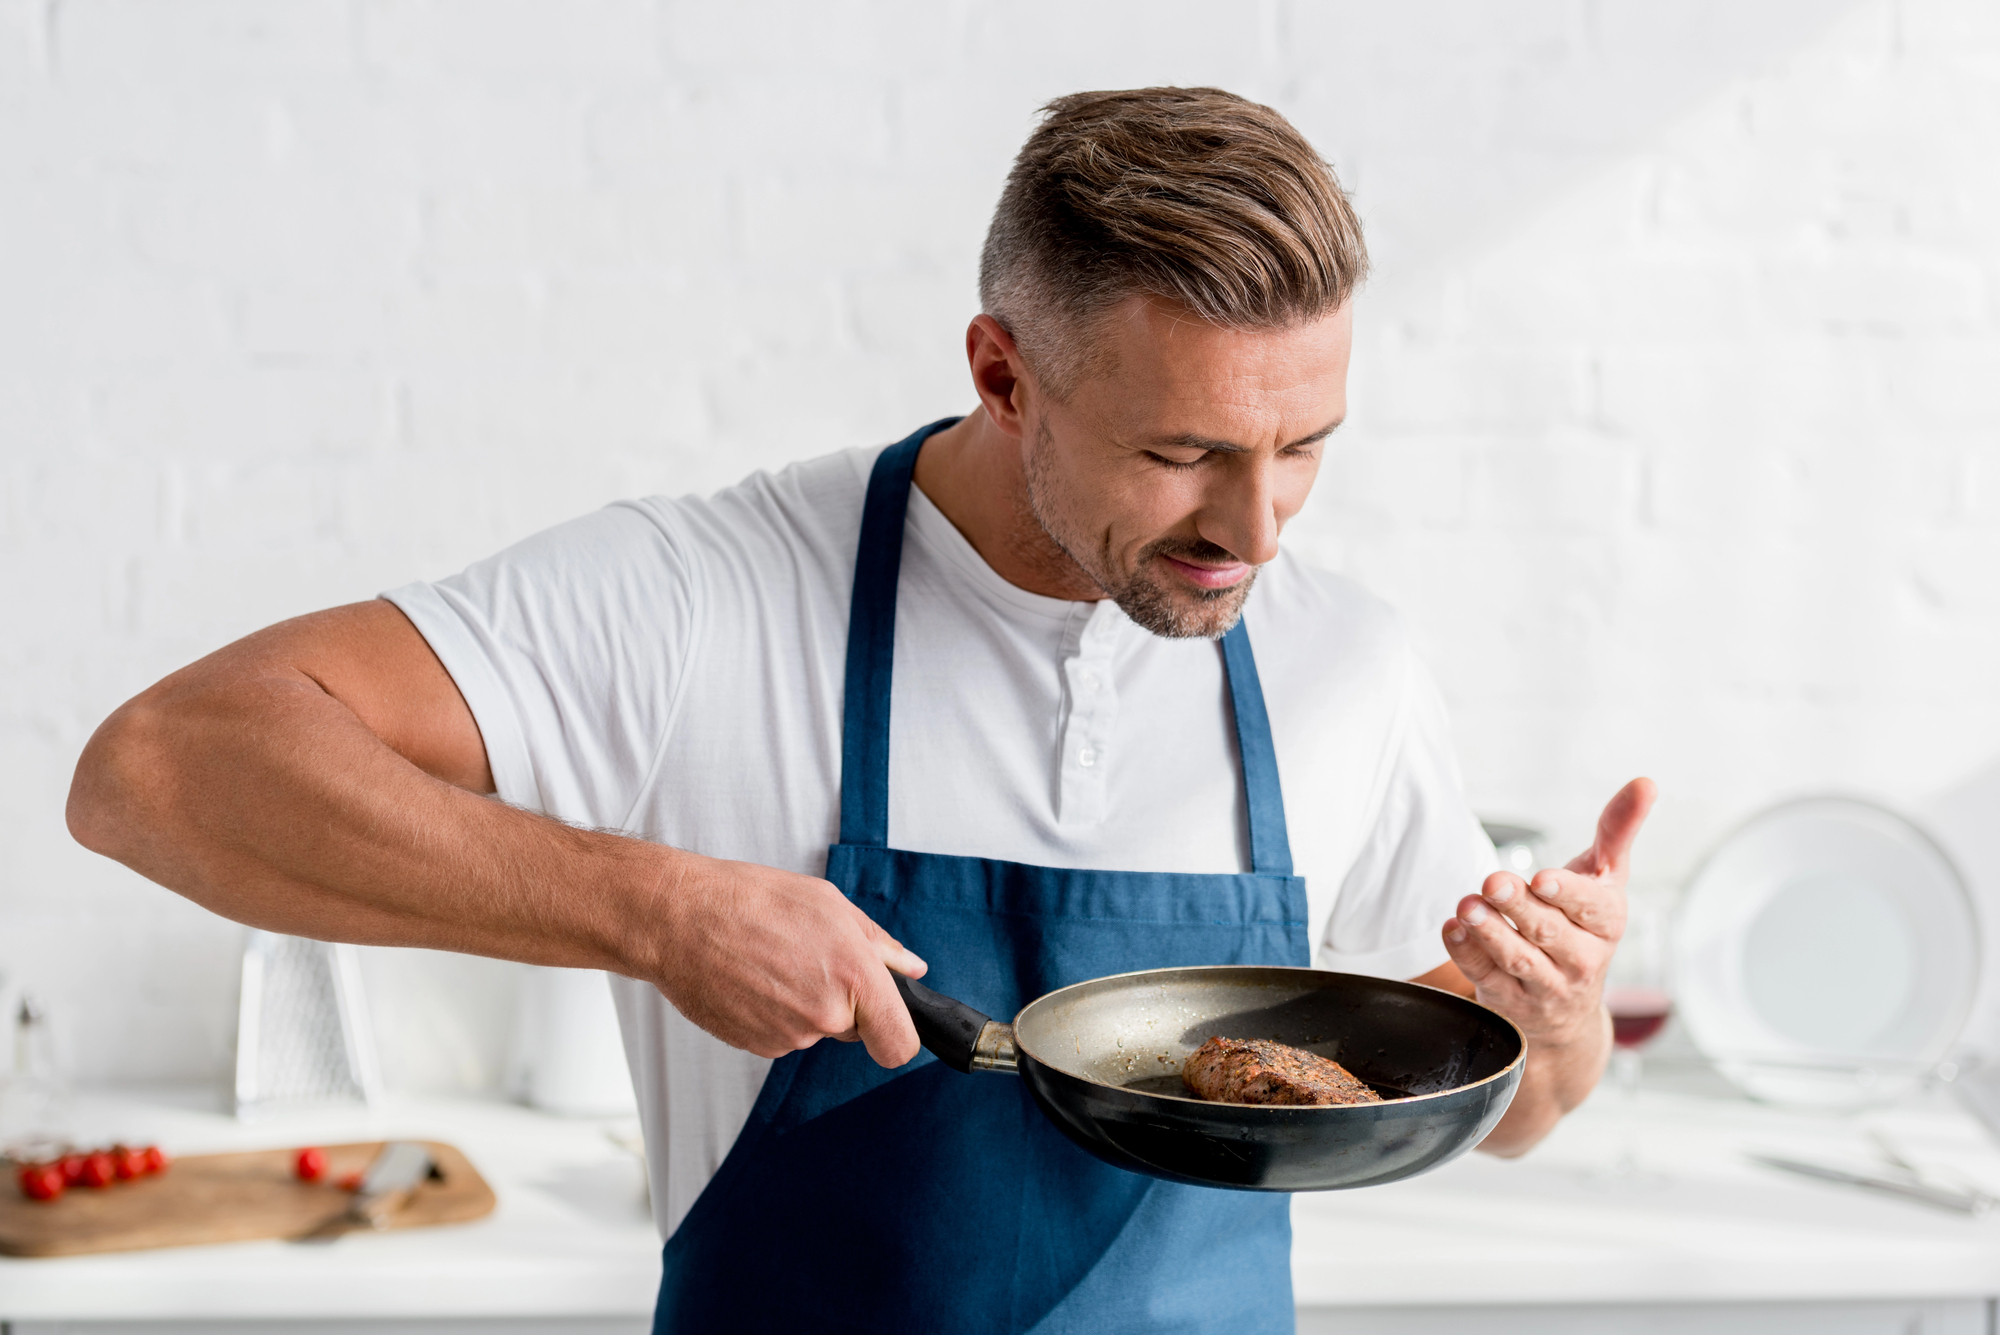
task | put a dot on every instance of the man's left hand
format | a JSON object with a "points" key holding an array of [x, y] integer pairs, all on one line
{"points": [[1537, 952]]}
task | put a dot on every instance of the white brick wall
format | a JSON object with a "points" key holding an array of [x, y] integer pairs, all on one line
{"points": [[1677, 412]]}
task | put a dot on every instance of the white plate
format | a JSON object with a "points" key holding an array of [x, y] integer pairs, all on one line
{"points": [[1826, 955]]}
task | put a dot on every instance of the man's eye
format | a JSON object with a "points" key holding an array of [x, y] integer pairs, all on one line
{"points": [[1177, 464]]}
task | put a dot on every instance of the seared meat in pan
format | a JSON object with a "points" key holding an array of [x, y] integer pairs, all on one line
{"points": [[1254, 1070]]}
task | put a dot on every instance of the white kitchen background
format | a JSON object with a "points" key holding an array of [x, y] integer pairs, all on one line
{"points": [[1676, 429]]}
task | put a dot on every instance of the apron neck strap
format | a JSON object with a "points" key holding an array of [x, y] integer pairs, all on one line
{"points": [[1270, 843], [871, 644], [871, 655]]}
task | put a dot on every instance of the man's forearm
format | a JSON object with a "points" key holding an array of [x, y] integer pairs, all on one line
{"points": [[257, 794], [1559, 1076]]}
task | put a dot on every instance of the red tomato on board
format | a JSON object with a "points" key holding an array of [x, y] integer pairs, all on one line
{"points": [[99, 1170], [72, 1169], [127, 1162], [156, 1159], [311, 1164], [41, 1181]]}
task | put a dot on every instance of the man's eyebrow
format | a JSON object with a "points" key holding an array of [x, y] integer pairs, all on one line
{"points": [[1187, 440]]}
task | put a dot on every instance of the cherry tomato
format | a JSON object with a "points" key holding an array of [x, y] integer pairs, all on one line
{"points": [[72, 1169], [128, 1162], [156, 1159], [349, 1182], [99, 1170], [311, 1164], [41, 1181]]}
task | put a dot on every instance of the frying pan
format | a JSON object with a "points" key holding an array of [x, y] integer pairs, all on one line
{"points": [[1102, 1059]]}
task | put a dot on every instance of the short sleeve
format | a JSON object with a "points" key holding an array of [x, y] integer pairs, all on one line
{"points": [[570, 648], [1424, 852]]}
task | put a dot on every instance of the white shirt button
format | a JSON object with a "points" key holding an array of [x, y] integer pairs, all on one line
{"points": [[1088, 680], [1086, 757]]}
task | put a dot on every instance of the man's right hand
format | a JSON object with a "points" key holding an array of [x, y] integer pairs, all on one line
{"points": [[771, 961]]}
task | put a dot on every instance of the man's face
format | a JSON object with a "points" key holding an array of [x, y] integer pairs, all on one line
{"points": [[1168, 472]]}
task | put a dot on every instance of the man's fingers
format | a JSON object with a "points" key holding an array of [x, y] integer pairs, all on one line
{"points": [[1590, 903], [1471, 959], [1617, 827], [1544, 925], [1509, 952], [883, 1021], [899, 958], [887, 948], [1491, 984]]}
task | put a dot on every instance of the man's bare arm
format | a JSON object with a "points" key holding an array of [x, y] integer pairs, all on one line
{"points": [[325, 778]]}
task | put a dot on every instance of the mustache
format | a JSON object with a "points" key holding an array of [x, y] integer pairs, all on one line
{"points": [[1197, 550]]}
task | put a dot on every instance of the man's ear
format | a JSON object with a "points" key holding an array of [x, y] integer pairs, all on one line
{"points": [[999, 374]]}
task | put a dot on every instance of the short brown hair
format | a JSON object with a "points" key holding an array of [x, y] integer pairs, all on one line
{"points": [[1193, 195]]}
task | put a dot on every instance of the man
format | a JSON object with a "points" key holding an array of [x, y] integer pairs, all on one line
{"points": [[983, 661]]}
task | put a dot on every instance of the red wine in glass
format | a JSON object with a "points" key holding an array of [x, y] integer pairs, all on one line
{"points": [[1637, 1014]]}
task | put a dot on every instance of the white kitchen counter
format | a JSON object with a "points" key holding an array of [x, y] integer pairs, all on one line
{"points": [[1715, 1244], [571, 1244], [1534, 1244]]}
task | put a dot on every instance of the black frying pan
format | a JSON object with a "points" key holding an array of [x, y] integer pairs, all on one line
{"points": [[1103, 1061]]}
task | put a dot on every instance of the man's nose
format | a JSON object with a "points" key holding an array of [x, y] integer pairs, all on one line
{"points": [[1241, 513]]}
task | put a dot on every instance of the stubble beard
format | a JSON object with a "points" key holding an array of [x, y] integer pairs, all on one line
{"points": [[1174, 613]]}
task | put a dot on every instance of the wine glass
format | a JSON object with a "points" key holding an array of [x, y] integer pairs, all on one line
{"points": [[1636, 995]]}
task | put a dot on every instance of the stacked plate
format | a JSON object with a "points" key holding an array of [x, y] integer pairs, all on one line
{"points": [[1826, 955]]}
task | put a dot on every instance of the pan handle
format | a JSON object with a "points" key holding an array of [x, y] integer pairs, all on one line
{"points": [[958, 1035]]}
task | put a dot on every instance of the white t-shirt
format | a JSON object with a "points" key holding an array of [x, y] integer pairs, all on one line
{"points": [[674, 669]]}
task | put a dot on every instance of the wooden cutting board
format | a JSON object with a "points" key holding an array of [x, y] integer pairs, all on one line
{"points": [[224, 1198]]}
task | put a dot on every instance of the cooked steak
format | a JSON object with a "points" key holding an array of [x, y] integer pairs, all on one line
{"points": [[1255, 1070]]}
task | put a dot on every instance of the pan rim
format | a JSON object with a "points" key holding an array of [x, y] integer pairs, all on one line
{"points": [[1289, 1109]]}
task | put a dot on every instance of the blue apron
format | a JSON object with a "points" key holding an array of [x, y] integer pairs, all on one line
{"points": [[923, 1200]]}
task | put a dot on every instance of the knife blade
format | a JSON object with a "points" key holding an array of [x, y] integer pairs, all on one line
{"points": [[396, 1172], [400, 1167], [1970, 1202]]}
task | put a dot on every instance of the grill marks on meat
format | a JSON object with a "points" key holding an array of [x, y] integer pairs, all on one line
{"points": [[1255, 1070]]}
